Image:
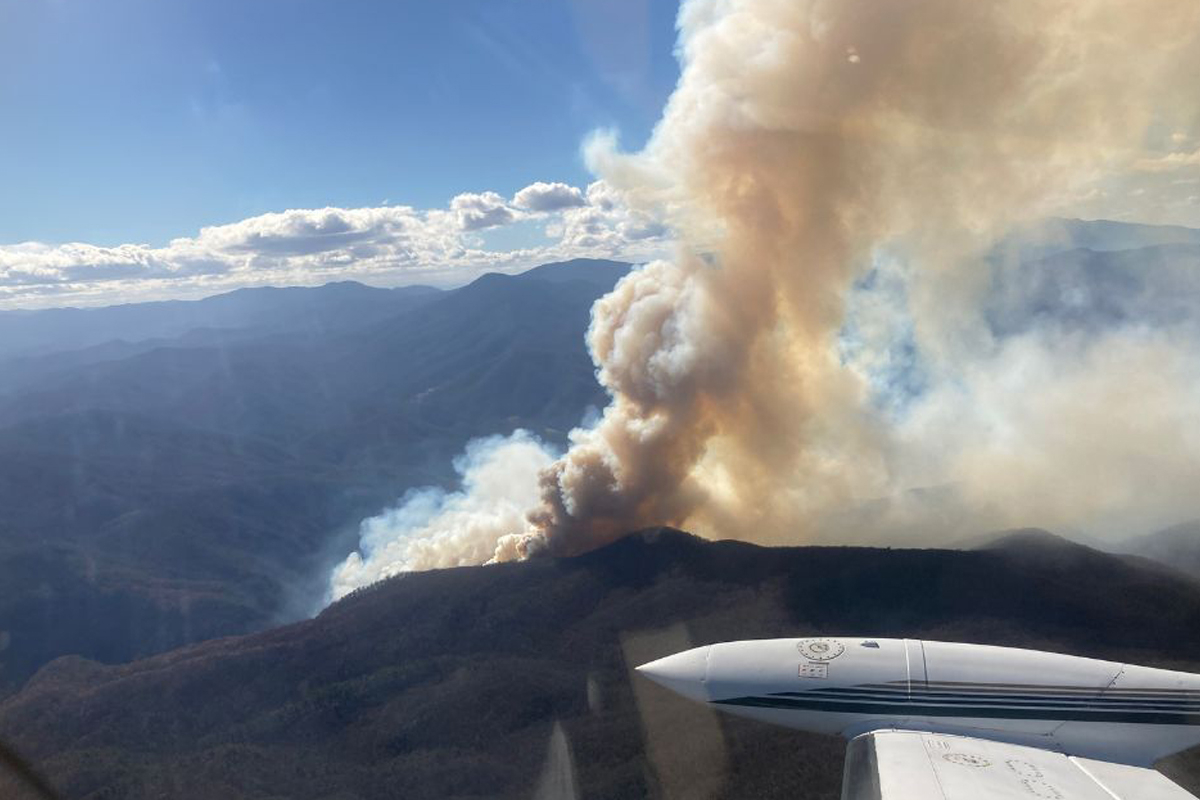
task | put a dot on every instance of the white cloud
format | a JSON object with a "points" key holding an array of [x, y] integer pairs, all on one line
{"points": [[606, 223], [483, 210], [384, 245], [543, 197]]}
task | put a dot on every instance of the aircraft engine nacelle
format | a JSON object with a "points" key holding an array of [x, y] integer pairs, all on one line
{"points": [[847, 686]]}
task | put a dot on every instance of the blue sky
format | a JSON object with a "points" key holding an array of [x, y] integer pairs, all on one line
{"points": [[138, 121], [179, 148]]}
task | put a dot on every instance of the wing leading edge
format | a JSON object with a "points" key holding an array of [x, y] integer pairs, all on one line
{"points": [[911, 765]]}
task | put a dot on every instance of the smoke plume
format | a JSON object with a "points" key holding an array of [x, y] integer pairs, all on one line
{"points": [[431, 528], [836, 174]]}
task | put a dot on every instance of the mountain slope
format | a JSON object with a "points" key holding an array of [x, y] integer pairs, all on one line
{"points": [[195, 487], [452, 683], [1177, 547]]}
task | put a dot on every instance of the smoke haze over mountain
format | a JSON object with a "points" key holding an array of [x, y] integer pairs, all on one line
{"points": [[432, 529], [838, 324]]}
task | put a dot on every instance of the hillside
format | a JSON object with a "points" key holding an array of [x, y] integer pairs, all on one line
{"points": [[1177, 546], [497, 681], [163, 491]]}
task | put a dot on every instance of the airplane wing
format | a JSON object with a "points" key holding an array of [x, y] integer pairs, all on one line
{"points": [[911, 765]]}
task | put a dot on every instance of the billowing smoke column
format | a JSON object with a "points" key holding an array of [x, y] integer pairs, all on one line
{"points": [[803, 137], [808, 146]]}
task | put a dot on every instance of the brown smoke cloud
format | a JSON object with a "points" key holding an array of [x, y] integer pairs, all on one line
{"points": [[803, 136], [804, 139]]}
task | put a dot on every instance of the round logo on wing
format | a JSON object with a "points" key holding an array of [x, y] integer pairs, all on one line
{"points": [[820, 649]]}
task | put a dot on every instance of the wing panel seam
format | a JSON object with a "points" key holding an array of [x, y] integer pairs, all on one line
{"points": [[1093, 778], [907, 669]]}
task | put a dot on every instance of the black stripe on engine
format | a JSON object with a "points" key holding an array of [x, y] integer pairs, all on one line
{"points": [[1024, 688], [963, 709], [1094, 700]]}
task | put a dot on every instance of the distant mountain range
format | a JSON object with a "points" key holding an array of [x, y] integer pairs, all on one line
{"points": [[500, 681], [170, 472], [1044, 238], [332, 307]]}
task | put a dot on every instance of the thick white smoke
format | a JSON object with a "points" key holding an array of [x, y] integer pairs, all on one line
{"points": [[835, 173], [1078, 410], [432, 528]]}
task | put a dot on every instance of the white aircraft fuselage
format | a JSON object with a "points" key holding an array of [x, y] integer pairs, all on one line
{"points": [[849, 686]]}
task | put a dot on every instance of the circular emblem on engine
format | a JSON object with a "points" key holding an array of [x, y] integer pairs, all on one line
{"points": [[820, 649], [967, 760]]}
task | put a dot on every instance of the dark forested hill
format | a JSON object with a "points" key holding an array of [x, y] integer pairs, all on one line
{"points": [[499, 681], [159, 491]]}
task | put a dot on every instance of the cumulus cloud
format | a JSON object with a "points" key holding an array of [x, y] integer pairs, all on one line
{"points": [[542, 197], [310, 231], [386, 244], [477, 211], [604, 222]]}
